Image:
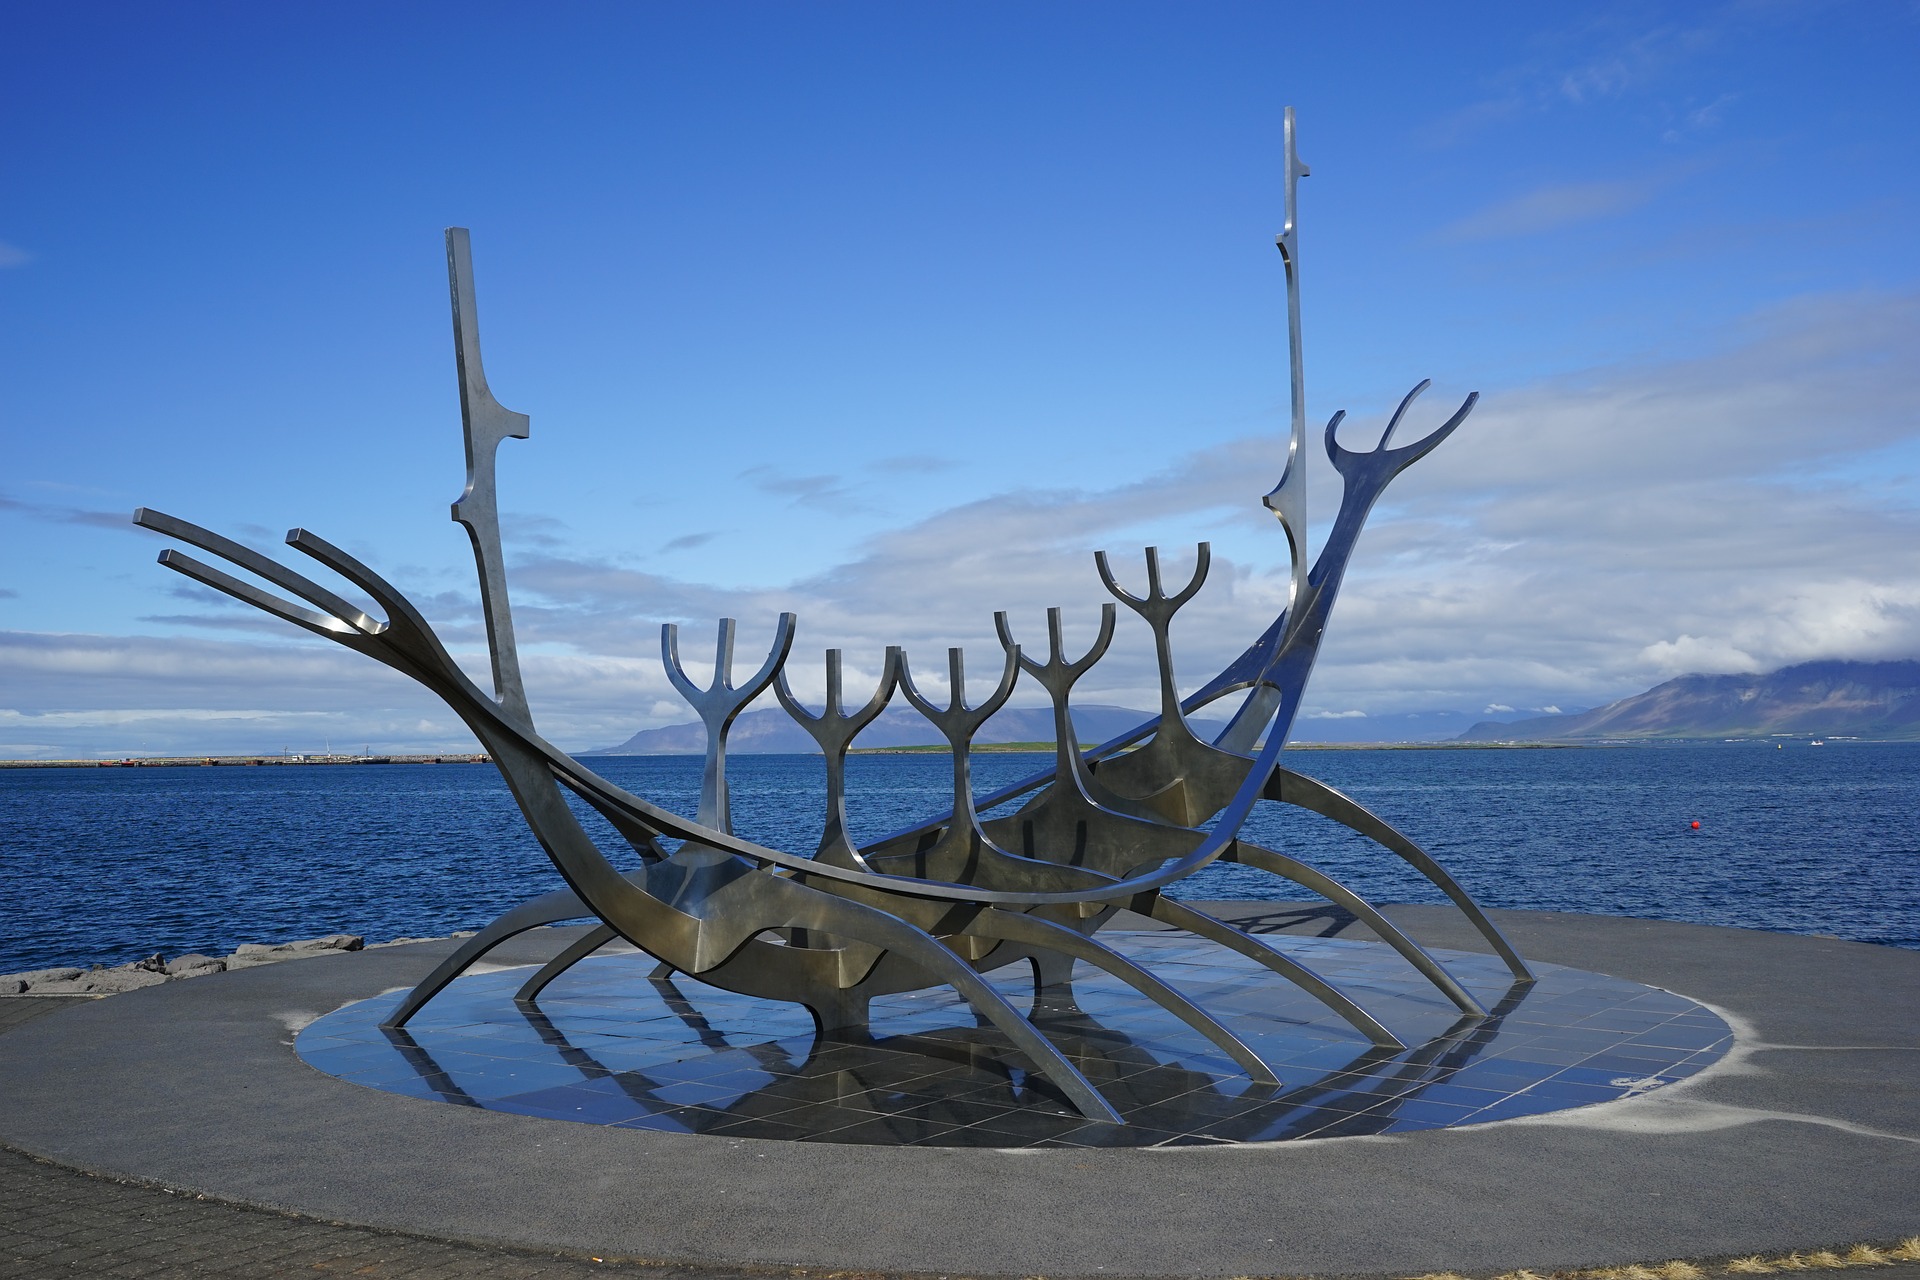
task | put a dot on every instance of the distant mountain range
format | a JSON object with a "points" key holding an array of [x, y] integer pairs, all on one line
{"points": [[771, 731], [1879, 700]]}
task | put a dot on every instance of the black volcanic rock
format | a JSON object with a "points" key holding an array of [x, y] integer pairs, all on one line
{"points": [[771, 731], [1878, 700]]}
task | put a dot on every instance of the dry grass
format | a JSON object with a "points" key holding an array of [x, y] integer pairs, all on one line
{"points": [[1859, 1255]]}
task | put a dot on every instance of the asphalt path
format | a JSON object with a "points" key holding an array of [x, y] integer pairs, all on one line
{"points": [[1806, 1136]]}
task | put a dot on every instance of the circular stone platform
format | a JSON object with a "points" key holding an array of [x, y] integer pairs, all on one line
{"points": [[1806, 1133], [608, 1045]]}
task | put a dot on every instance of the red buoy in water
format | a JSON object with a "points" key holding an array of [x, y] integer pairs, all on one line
{"points": [[1696, 824]]}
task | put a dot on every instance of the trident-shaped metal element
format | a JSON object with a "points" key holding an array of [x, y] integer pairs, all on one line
{"points": [[487, 424], [1204, 776], [719, 703], [957, 723], [1289, 498], [835, 730], [1058, 676], [1157, 610]]}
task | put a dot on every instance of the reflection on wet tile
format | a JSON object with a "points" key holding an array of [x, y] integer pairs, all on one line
{"points": [[609, 1046]]}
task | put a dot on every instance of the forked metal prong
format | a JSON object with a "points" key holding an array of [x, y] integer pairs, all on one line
{"points": [[260, 566], [182, 563], [720, 702], [1386, 437], [957, 718], [1157, 602], [384, 593], [1381, 463], [834, 717], [1056, 668], [834, 729]]}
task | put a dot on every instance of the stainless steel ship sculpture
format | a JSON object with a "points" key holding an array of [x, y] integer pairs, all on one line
{"points": [[957, 896]]}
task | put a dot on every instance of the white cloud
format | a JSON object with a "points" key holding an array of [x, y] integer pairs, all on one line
{"points": [[1549, 208], [12, 255], [1621, 64], [1577, 541], [1699, 119], [1608, 56], [688, 541]]}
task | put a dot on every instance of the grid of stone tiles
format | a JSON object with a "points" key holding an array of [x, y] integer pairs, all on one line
{"points": [[609, 1045]]}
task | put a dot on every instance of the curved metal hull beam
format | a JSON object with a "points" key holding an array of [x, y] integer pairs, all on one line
{"points": [[576, 951], [1182, 916], [1279, 864], [1311, 794], [562, 904], [1044, 934]]}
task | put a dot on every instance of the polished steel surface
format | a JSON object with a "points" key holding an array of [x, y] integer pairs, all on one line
{"points": [[1288, 499], [609, 1047], [835, 730], [487, 423], [958, 896], [719, 703]]}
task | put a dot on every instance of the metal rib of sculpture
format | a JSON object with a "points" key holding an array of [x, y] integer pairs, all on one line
{"points": [[957, 896]]}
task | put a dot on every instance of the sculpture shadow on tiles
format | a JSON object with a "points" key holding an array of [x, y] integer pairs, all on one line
{"points": [[958, 896]]}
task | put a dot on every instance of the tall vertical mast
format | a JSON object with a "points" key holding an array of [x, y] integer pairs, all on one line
{"points": [[487, 423], [1289, 498]]}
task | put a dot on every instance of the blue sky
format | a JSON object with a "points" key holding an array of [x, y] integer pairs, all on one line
{"points": [[890, 314]]}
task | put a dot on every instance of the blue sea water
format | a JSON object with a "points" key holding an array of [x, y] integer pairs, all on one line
{"points": [[107, 865]]}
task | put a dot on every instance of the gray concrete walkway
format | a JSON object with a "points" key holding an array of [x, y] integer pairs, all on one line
{"points": [[57, 1222], [1808, 1138]]}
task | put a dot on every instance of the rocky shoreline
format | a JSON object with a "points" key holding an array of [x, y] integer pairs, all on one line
{"points": [[102, 980]]}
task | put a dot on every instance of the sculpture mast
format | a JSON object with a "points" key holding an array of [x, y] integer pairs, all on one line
{"points": [[487, 423], [1288, 500]]}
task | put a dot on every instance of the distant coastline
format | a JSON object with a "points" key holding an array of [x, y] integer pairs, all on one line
{"points": [[979, 748], [203, 762], [1046, 748]]}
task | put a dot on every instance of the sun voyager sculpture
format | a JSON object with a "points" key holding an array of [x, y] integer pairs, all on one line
{"points": [[957, 896]]}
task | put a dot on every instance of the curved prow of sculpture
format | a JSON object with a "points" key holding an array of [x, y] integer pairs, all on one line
{"points": [[1366, 474], [407, 643]]}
